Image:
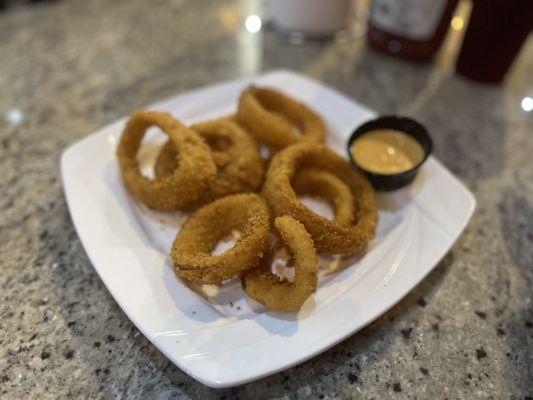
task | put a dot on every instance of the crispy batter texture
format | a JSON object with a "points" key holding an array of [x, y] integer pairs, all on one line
{"points": [[185, 185], [277, 295], [236, 155], [321, 183], [328, 236], [277, 120], [191, 251]]}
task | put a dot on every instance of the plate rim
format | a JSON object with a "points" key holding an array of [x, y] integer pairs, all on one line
{"points": [[215, 383]]}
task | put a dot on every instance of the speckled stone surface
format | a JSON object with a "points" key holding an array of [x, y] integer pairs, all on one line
{"points": [[70, 67]]}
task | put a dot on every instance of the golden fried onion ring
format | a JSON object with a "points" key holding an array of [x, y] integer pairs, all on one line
{"points": [[191, 251], [236, 155], [271, 116], [321, 183], [328, 236], [187, 182], [267, 288]]}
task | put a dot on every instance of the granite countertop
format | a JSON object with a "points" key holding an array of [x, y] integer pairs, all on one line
{"points": [[70, 67]]}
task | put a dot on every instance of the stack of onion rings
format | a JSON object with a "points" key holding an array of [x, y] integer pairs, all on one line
{"points": [[187, 182], [266, 288], [328, 236], [191, 251], [277, 120], [236, 155], [214, 166]]}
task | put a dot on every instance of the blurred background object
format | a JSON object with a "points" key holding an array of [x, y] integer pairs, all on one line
{"points": [[4, 4], [412, 29], [312, 18], [495, 34]]}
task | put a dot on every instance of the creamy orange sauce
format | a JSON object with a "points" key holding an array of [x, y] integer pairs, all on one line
{"points": [[386, 151]]}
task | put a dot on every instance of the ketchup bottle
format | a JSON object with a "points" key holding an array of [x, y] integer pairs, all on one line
{"points": [[496, 31], [411, 29]]}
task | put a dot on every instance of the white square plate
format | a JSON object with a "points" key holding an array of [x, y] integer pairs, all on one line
{"points": [[223, 339]]}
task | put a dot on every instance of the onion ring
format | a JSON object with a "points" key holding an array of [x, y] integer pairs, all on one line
{"points": [[185, 185], [328, 236], [318, 182], [236, 155], [191, 250], [271, 116], [266, 288]]}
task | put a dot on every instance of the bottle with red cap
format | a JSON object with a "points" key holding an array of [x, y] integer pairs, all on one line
{"points": [[411, 29]]}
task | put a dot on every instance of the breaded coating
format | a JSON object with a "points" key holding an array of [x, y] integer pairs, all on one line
{"points": [[328, 236], [187, 182], [267, 288], [236, 155], [277, 120], [321, 183], [191, 251]]}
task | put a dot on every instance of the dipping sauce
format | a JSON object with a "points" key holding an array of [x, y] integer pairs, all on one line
{"points": [[386, 151]]}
